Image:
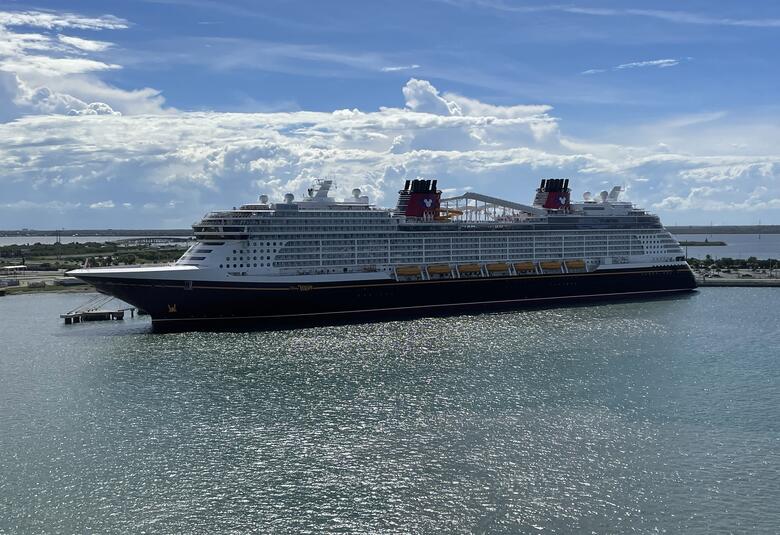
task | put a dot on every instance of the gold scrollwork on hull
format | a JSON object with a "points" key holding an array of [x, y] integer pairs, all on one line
{"points": [[302, 287]]}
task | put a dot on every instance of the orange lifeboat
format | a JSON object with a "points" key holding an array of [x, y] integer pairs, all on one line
{"points": [[497, 267], [524, 267], [550, 265], [469, 268], [575, 264], [440, 269], [408, 271]]}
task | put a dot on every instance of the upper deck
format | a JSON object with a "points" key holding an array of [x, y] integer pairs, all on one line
{"points": [[421, 209]]}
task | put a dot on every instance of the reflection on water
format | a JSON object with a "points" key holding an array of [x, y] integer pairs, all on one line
{"points": [[637, 416]]}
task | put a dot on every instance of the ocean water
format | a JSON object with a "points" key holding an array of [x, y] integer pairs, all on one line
{"points": [[737, 245], [660, 416]]}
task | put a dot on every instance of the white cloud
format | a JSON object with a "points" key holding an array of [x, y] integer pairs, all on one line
{"points": [[659, 63], [84, 44], [21, 99], [720, 199], [41, 207], [52, 73], [51, 20], [46, 66], [677, 17], [171, 167], [400, 68], [594, 71], [421, 96], [662, 63]]}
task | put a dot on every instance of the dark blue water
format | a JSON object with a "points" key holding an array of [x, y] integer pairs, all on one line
{"points": [[640, 417]]}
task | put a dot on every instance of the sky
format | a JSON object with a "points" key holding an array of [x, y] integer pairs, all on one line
{"points": [[150, 113]]}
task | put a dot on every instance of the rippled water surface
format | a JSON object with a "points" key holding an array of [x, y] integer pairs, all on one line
{"points": [[643, 417]]}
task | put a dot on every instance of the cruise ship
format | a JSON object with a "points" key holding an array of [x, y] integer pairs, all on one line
{"points": [[320, 260]]}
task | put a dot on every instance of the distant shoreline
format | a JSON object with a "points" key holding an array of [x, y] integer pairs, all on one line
{"points": [[96, 232], [693, 229], [725, 229], [705, 243]]}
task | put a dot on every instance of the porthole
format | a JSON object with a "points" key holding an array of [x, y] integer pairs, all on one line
{"points": [[220, 266]]}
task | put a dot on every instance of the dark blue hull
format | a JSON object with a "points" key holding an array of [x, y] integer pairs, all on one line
{"points": [[206, 305]]}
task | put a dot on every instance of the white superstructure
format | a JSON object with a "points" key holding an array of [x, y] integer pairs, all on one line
{"points": [[319, 238]]}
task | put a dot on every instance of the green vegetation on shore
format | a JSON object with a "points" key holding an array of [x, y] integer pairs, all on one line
{"points": [[733, 263], [98, 232], [53, 256]]}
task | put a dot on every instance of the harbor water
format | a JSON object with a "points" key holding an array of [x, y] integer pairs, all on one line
{"points": [[738, 246], [645, 417]]}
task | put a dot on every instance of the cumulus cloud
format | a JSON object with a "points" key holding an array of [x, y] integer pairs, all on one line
{"points": [[44, 72], [720, 199], [19, 99], [170, 169], [421, 96]]}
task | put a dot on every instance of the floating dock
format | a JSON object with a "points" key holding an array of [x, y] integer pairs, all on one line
{"points": [[95, 310], [96, 315]]}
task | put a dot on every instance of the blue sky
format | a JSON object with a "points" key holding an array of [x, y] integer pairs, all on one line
{"points": [[149, 113]]}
